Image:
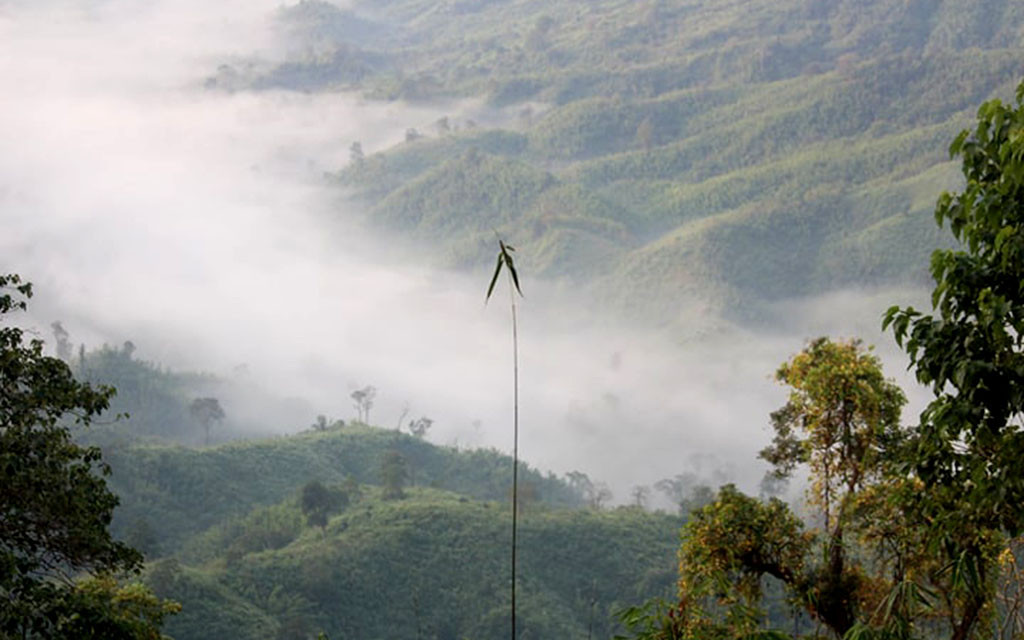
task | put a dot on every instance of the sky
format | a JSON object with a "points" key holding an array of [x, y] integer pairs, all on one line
{"points": [[198, 225]]}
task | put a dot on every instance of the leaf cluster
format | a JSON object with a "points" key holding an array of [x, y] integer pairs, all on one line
{"points": [[970, 349]]}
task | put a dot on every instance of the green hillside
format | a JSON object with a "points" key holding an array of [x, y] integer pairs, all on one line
{"points": [[414, 540], [225, 533], [734, 153], [182, 491], [434, 565]]}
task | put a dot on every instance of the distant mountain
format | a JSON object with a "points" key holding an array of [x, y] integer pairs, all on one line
{"points": [[678, 154]]}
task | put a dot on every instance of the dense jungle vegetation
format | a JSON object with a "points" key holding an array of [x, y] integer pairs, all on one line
{"points": [[697, 159]]}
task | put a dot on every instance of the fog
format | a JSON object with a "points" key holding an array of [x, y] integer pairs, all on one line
{"points": [[196, 224]]}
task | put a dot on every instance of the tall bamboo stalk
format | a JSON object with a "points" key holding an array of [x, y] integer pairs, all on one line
{"points": [[505, 260]]}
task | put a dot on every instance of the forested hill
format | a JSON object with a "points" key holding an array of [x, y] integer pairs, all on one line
{"points": [[403, 540], [182, 491], [687, 158], [355, 530]]}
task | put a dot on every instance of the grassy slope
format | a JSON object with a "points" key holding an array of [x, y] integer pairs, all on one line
{"points": [[740, 152]]}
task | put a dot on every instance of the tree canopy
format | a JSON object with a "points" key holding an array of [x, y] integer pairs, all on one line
{"points": [[970, 350], [55, 507]]}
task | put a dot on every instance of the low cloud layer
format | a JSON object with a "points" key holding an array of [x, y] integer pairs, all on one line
{"points": [[194, 223]]}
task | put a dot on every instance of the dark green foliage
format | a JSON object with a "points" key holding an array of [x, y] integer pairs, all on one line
{"points": [[55, 506], [970, 351], [318, 503]]}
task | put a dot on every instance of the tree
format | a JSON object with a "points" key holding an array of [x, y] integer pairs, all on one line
{"points": [[419, 427], [394, 473], [728, 547], [363, 402], [640, 494], [841, 415], [686, 490], [970, 351], [318, 503], [60, 336], [580, 483], [55, 507], [841, 421], [323, 423], [206, 411], [105, 610]]}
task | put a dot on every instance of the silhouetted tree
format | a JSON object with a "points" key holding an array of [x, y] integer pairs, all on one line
{"points": [[206, 411], [420, 426], [318, 503], [322, 423], [363, 399], [60, 335], [640, 494]]}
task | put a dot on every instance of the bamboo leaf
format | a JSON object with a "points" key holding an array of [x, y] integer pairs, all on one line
{"points": [[504, 255], [494, 279], [515, 276]]}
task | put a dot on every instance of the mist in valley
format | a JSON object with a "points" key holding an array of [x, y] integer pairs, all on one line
{"points": [[198, 224]]}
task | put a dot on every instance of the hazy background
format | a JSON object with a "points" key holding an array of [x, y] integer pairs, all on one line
{"points": [[195, 224]]}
